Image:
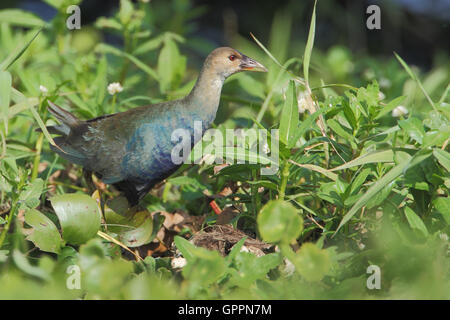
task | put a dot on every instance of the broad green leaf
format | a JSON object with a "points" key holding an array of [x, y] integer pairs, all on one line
{"points": [[373, 190], [24, 265], [336, 127], [289, 117], [235, 250], [79, 216], [373, 157], [29, 197], [21, 18], [250, 268], [359, 180], [415, 221], [309, 44], [307, 124], [443, 157], [279, 221], [171, 65], [44, 235], [390, 106], [442, 204], [186, 248], [5, 95], [126, 11], [414, 127], [141, 233], [312, 263], [17, 52]]}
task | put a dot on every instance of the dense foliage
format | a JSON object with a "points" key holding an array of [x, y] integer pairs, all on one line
{"points": [[363, 178]]}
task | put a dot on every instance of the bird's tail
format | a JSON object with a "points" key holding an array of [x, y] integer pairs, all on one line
{"points": [[67, 119], [67, 122]]}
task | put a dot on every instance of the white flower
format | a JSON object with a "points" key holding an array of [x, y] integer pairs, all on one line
{"points": [[399, 111], [114, 88], [385, 83], [381, 95], [43, 89], [301, 99], [177, 263]]}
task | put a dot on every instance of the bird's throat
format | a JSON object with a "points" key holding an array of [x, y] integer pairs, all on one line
{"points": [[205, 96]]}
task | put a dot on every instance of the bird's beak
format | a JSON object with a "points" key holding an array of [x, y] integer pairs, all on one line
{"points": [[249, 64]]}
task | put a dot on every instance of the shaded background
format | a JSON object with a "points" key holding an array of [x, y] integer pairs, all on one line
{"points": [[417, 29]]}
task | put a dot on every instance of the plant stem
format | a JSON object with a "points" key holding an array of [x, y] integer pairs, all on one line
{"points": [[37, 157], [8, 221], [284, 179]]}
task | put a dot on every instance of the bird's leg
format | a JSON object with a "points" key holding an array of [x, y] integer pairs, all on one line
{"points": [[87, 175]]}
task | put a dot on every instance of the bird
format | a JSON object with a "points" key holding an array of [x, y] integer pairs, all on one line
{"points": [[131, 150]]}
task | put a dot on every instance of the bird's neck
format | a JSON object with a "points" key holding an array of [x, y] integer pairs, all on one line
{"points": [[205, 96]]}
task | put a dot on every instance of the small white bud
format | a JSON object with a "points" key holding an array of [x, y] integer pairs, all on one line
{"points": [[43, 89], [178, 263], [302, 103], [399, 111], [114, 88], [381, 95]]}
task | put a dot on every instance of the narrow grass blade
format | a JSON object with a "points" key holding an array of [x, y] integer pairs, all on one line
{"points": [[321, 170], [141, 65], [373, 190], [289, 116], [299, 79], [415, 78], [5, 96], [13, 56], [374, 157], [309, 44]]}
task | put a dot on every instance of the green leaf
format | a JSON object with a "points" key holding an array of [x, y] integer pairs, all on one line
{"points": [[45, 235], [20, 18], [186, 248], [307, 124], [142, 232], [126, 11], [442, 204], [311, 262], [309, 44], [373, 190], [24, 265], [29, 197], [79, 216], [443, 157], [415, 78], [5, 95], [390, 106], [289, 117], [414, 127], [102, 47], [336, 127], [279, 221], [415, 222], [17, 52], [171, 65], [373, 157]]}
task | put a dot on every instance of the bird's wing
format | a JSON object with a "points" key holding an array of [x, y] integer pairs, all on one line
{"points": [[97, 144]]}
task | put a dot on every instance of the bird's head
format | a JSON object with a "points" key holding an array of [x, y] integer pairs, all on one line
{"points": [[226, 61]]}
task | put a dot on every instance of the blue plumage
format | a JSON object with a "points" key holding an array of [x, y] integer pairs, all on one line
{"points": [[132, 150]]}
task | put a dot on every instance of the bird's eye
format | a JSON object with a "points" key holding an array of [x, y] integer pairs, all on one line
{"points": [[232, 57]]}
